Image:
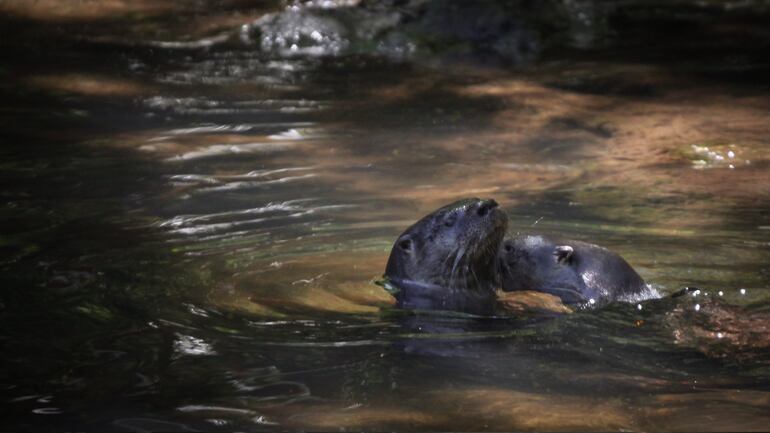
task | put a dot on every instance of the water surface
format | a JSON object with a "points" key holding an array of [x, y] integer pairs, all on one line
{"points": [[193, 218]]}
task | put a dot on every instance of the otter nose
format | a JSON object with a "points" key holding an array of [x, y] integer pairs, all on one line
{"points": [[485, 206]]}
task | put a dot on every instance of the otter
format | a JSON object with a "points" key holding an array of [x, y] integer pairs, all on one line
{"points": [[577, 272], [447, 259]]}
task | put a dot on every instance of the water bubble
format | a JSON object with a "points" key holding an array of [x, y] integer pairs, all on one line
{"points": [[592, 301], [697, 307], [639, 307], [721, 293], [743, 291], [731, 154], [720, 335]]}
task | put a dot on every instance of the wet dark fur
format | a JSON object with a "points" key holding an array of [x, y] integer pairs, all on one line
{"points": [[447, 260], [577, 272]]}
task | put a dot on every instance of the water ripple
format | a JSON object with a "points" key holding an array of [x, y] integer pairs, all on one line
{"points": [[192, 346], [231, 149], [243, 127], [270, 207], [197, 105], [255, 184]]}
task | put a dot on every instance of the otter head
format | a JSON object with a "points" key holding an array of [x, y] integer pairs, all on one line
{"points": [[537, 263], [446, 260]]}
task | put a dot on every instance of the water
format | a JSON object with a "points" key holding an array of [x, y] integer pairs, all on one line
{"points": [[192, 221]]}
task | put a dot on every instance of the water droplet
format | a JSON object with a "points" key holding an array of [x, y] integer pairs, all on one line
{"points": [[262, 420], [697, 307], [720, 335], [639, 307], [721, 293], [731, 154], [743, 291], [591, 301]]}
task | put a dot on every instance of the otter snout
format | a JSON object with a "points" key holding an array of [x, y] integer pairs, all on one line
{"points": [[446, 260], [485, 206], [489, 212]]}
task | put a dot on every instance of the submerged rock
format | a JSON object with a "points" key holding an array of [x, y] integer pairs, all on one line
{"points": [[403, 30], [719, 329]]}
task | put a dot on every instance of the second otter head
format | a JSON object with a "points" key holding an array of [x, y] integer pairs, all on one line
{"points": [[447, 259], [577, 272]]}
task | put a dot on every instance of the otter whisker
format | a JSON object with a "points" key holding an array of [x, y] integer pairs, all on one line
{"points": [[458, 258], [452, 254], [453, 266], [475, 279], [463, 274]]}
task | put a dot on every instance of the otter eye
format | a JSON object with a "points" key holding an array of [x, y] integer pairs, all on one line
{"points": [[405, 244], [508, 247], [563, 253], [450, 220]]}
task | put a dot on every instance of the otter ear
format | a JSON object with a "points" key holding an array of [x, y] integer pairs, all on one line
{"points": [[405, 244], [563, 253]]}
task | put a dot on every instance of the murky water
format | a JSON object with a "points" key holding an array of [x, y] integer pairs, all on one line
{"points": [[194, 214]]}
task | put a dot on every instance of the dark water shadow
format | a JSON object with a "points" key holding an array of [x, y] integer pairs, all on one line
{"points": [[711, 43]]}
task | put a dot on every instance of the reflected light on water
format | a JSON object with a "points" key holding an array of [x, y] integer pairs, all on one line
{"points": [[189, 345]]}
